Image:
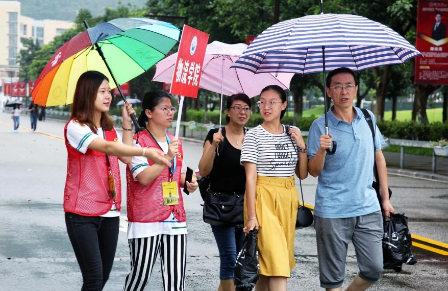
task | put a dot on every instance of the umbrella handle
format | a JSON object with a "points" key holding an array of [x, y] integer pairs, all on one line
{"points": [[333, 149], [135, 122]]}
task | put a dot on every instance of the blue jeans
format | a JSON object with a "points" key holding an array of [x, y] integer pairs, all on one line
{"points": [[16, 122], [94, 240], [230, 241], [33, 117]]}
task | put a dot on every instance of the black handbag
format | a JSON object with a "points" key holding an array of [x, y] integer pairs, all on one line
{"points": [[304, 215], [247, 267], [204, 185], [223, 209]]}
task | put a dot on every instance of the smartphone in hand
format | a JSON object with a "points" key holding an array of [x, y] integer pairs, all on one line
{"points": [[188, 178]]}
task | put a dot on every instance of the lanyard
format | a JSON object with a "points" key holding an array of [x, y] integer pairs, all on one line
{"points": [[172, 168]]}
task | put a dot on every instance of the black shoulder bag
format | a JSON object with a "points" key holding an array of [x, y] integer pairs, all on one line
{"points": [[376, 183], [304, 214], [223, 209]]}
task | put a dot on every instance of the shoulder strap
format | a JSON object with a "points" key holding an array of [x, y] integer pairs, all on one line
{"points": [[368, 118]]}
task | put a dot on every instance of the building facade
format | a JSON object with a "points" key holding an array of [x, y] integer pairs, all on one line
{"points": [[14, 28]]}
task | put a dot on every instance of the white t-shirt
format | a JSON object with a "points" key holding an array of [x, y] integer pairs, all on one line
{"points": [[17, 112], [171, 225], [79, 137], [275, 154]]}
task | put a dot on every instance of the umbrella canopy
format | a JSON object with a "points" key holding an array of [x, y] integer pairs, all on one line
{"points": [[14, 103], [295, 46], [218, 76], [130, 100], [130, 45], [317, 43]]}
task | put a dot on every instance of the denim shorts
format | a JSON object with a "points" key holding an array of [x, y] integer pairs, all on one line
{"points": [[230, 241]]}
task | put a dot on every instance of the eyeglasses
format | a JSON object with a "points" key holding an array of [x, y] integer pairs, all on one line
{"points": [[239, 108], [167, 110], [270, 104], [348, 87]]}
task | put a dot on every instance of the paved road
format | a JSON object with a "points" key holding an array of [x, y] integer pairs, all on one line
{"points": [[35, 253]]}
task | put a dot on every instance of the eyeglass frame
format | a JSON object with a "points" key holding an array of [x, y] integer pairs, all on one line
{"points": [[339, 87], [171, 109], [245, 109], [263, 104]]}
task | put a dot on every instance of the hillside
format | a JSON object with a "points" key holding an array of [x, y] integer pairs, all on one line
{"points": [[67, 10]]}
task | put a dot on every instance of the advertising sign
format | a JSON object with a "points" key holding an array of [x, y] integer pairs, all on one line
{"points": [[432, 42], [188, 68], [125, 88]]}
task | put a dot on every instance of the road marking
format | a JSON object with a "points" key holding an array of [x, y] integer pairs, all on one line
{"points": [[418, 241], [37, 131]]}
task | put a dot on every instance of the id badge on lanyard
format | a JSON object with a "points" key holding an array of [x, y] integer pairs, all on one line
{"points": [[170, 190]]}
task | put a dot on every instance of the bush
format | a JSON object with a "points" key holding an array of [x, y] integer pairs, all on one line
{"points": [[413, 131]]}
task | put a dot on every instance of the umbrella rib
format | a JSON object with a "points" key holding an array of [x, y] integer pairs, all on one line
{"points": [[356, 64]]}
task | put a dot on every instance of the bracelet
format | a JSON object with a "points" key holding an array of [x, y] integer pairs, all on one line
{"points": [[144, 151], [128, 129], [251, 218], [300, 150]]}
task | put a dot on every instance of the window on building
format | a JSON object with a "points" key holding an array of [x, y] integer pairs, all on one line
{"points": [[23, 29], [40, 42], [13, 40], [60, 31], [39, 32], [12, 28], [32, 30], [12, 62], [13, 16]]}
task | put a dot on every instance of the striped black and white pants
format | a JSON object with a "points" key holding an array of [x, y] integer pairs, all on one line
{"points": [[144, 252]]}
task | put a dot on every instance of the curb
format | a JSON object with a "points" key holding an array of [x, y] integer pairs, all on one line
{"points": [[418, 174]]}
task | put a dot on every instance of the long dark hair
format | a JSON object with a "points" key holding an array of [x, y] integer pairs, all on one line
{"points": [[281, 94], [241, 97], [150, 101], [83, 108]]}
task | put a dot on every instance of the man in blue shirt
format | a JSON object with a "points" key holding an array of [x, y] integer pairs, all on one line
{"points": [[346, 207]]}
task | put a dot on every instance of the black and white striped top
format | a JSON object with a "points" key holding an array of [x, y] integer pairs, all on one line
{"points": [[275, 154]]}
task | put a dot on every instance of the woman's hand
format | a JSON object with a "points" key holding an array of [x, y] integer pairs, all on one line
{"points": [[157, 156], [251, 224], [126, 114], [217, 138], [192, 186], [296, 135], [173, 149]]}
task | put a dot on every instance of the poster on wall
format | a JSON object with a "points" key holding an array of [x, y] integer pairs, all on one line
{"points": [[432, 41]]}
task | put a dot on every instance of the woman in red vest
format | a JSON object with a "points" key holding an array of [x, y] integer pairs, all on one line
{"points": [[92, 195], [156, 213]]}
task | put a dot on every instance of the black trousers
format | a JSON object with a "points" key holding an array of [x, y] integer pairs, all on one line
{"points": [[94, 240]]}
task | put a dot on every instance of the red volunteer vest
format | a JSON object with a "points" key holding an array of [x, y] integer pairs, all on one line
{"points": [[145, 202], [87, 185]]}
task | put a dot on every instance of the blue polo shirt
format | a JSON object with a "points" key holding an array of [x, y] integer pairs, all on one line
{"points": [[344, 186]]}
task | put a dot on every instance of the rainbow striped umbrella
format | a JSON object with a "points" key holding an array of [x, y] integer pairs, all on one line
{"points": [[130, 46]]}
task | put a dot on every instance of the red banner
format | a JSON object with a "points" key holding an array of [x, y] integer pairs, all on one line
{"points": [[125, 88], [190, 58], [31, 84], [432, 42], [7, 89], [250, 39]]}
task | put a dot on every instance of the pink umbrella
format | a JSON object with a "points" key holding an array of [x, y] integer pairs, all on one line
{"points": [[217, 76]]}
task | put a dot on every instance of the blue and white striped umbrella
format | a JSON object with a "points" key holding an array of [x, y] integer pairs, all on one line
{"points": [[295, 46]]}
